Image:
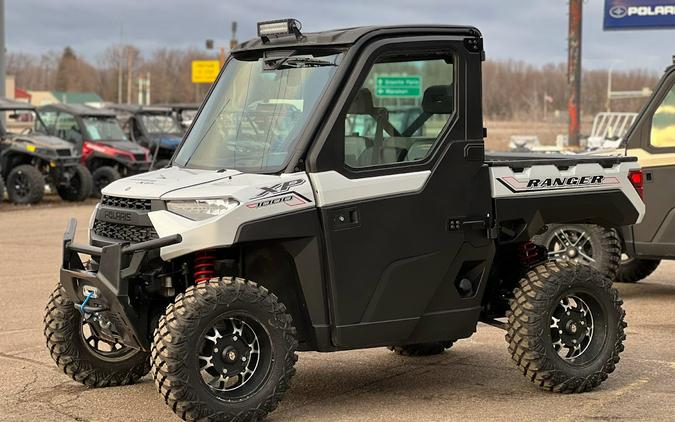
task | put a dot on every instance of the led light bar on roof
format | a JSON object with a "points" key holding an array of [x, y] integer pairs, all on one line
{"points": [[279, 28]]}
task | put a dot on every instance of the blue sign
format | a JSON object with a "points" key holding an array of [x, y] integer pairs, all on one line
{"points": [[639, 14]]}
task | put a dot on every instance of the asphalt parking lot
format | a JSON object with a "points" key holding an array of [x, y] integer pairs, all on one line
{"points": [[475, 380]]}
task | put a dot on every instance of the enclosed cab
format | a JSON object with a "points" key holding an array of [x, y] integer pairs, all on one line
{"points": [[280, 225], [106, 151], [152, 127]]}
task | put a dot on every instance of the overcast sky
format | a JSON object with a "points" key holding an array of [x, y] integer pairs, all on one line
{"points": [[531, 30]]}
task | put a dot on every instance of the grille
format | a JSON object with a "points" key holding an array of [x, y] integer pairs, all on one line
{"points": [[63, 152], [126, 203], [125, 232], [139, 157]]}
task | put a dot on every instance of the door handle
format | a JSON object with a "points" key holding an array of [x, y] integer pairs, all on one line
{"points": [[345, 218], [649, 176]]}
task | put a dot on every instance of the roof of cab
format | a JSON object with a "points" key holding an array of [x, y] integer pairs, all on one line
{"points": [[349, 36], [78, 110], [139, 109], [7, 104]]}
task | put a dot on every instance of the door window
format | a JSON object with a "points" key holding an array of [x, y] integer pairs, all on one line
{"points": [[399, 111], [67, 128], [663, 122]]}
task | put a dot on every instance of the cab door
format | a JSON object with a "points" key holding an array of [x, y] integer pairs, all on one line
{"points": [[405, 202], [653, 142]]}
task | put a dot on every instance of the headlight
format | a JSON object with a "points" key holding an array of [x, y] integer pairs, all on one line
{"points": [[201, 209]]}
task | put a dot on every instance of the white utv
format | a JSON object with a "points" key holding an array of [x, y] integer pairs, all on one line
{"points": [[297, 216]]}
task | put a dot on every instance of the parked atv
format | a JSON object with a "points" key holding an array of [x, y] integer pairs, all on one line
{"points": [[183, 112], [106, 151], [29, 158], [155, 128]]}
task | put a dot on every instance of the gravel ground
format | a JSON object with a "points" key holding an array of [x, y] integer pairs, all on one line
{"points": [[475, 380]]}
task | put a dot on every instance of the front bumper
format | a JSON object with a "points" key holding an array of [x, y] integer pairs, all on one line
{"points": [[118, 263]]}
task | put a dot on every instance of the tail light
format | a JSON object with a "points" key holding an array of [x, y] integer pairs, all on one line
{"points": [[637, 180]]}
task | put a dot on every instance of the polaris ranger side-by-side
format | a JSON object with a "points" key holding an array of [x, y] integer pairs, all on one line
{"points": [[633, 252], [106, 151], [153, 127], [276, 230], [30, 158]]}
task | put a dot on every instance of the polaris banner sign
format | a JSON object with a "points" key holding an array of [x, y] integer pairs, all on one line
{"points": [[639, 14]]}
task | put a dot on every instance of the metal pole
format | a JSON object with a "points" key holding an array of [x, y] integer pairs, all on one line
{"points": [[574, 72], [129, 74], [3, 77], [609, 88]]}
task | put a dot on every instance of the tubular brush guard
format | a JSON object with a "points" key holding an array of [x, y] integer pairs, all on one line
{"points": [[118, 263]]}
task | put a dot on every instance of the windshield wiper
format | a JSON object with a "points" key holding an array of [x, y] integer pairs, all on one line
{"points": [[290, 62]]}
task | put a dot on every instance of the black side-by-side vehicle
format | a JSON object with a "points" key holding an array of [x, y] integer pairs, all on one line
{"points": [[30, 158], [153, 127]]}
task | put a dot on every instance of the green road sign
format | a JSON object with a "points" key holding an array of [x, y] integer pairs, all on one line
{"points": [[398, 86]]}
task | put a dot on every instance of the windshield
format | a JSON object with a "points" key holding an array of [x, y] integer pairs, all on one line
{"points": [[104, 128], [255, 114], [160, 123]]}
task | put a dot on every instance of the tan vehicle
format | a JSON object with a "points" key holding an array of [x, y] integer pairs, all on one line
{"points": [[633, 253]]}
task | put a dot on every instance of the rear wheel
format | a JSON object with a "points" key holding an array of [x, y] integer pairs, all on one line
{"points": [[103, 176], [79, 187], [422, 349], [224, 351], [83, 354], [2, 189], [587, 244], [632, 270], [25, 185], [565, 327]]}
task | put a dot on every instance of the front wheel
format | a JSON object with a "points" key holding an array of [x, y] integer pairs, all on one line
{"points": [[79, 187], [632, 270], [587, 244], [25, 185], [565, 327], [224, 351], [82, 353], [103, 176]]}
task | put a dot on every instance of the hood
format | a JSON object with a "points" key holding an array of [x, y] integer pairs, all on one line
{"points": [[176, 183], [43, 141], [166, 140], [155, 184], [125, 145]]}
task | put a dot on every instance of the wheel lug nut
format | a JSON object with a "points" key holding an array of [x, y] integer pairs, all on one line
{"points": [[234, 338], [243, 358], [559, 331], [215, 350]]}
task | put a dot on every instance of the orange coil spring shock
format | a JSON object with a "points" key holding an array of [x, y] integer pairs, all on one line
{"points": [[205, 267]]}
